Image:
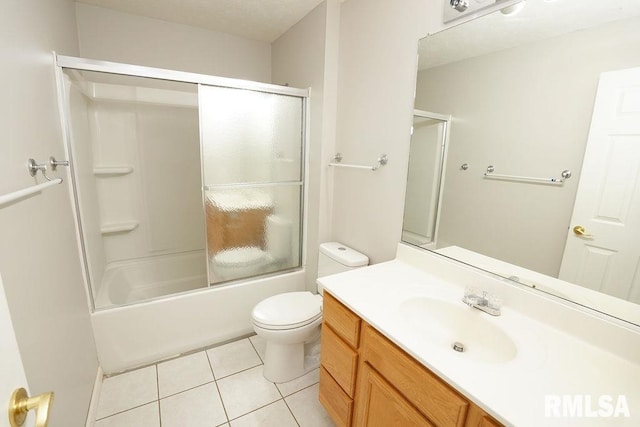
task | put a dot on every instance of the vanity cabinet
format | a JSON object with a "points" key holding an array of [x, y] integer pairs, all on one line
{"points": [[338, 359], [366, 380]]}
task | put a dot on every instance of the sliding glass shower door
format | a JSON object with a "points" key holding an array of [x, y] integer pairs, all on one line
{"points": [[133, 144], [181, 180], [252, 156]]}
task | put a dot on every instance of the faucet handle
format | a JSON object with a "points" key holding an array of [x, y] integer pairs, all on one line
{"points": [[471, 291], [493, 301], [471, 296]]}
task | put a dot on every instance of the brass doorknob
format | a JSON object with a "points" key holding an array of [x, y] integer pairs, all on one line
{"points": [[21, 403], [579, 230]]}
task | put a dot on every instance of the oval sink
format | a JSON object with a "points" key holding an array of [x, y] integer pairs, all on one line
{"points": [[444, 323]]}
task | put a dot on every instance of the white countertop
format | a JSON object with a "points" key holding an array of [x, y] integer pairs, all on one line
{"points": [[550, 361]]}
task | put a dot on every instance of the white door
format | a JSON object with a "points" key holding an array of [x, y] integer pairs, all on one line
{"points": [[607, 257], [11, 371]]}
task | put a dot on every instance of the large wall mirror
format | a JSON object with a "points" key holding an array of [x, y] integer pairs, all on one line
{"points": [[542, 174]]}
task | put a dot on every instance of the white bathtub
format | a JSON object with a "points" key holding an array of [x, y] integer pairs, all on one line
{"points": [[139, 334], [127, 282]]}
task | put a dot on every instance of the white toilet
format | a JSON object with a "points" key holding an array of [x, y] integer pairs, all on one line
{"points": [[291, 321]]}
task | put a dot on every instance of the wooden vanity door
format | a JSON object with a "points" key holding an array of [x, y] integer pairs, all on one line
{"points": [[382, 405]]}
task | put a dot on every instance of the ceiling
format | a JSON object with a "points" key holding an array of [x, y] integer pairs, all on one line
{"points": [[538, 20], [263, 20]]}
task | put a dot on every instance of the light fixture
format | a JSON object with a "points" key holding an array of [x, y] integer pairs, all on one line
{"points": [[459, 5], [513, 9]]}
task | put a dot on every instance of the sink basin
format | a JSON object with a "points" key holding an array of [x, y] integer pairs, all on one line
{"points": [[444, 323]]}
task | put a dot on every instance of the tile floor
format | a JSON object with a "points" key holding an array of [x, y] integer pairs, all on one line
{"points": [[222, 386]]}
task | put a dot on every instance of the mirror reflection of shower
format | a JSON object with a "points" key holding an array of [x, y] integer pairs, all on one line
{"points": [[179, 186], [427, 151]]}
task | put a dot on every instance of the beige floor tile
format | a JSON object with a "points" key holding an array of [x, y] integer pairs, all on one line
{"points": [[310, 378], [260, 344], [232, 358], [246, 391], [307, 409], [197, 407], [147, 416], [183, 373], [276, 414], [128, 390]]}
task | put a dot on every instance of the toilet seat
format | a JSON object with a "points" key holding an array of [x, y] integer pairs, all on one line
{"points": [[287, 311]]}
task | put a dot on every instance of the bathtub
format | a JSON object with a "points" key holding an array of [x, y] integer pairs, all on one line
{"points": [[127, 282], [138, 334]]}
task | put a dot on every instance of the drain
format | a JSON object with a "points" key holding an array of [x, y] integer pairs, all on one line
{"points": [[458, 346]]}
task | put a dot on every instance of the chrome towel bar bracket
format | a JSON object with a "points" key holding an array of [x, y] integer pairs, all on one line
{"points": [[566, 174], [337, 159]]}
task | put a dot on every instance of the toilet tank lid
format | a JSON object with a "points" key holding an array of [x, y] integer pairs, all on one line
{"points": [[344, 254]]}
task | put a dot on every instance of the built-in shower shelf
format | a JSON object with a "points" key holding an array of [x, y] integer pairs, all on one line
{"points": [[112, 170], [120, 227]]}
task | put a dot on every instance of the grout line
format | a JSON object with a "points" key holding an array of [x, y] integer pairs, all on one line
{"points": [[304, 388], [287, 403], [186, 353], [291, 394], [290, 411], [187, 389], [213, 373], [256, 350], [257, 409], [126, 410], [158, 394], [224, 408], [278, 388], [243, 370], [297, 391]]}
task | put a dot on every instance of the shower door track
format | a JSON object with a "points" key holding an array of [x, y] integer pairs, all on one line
{"points": [[173, 75]]}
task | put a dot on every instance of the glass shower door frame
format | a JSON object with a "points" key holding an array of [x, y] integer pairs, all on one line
{"points": [[84, 64]]}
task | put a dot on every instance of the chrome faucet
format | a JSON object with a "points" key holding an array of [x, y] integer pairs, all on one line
{"points": [[485, 302]]}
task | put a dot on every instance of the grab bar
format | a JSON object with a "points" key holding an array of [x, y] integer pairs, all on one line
{"points": [[8, 198], [382, 160], [566, 174]]}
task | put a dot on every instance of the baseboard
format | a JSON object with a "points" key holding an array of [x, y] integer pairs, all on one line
{"points": [[95, 399]]}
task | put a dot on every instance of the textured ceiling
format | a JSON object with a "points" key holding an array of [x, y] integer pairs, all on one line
{"points": [[538, 20], [263, 20]]}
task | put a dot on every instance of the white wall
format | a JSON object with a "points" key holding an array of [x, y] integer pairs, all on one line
{"points": [[39, 258], [163, 193], [305, 56], [533, 121], [108, 35], [377, 72]]}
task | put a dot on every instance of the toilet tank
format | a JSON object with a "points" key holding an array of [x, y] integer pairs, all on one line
{"points": [[335, 258]]}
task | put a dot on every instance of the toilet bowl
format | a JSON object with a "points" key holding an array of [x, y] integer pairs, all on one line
{"points": [[287, 321], [290, 322]]}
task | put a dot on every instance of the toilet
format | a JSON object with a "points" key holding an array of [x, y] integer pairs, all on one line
{"points": [[290, 322]]}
